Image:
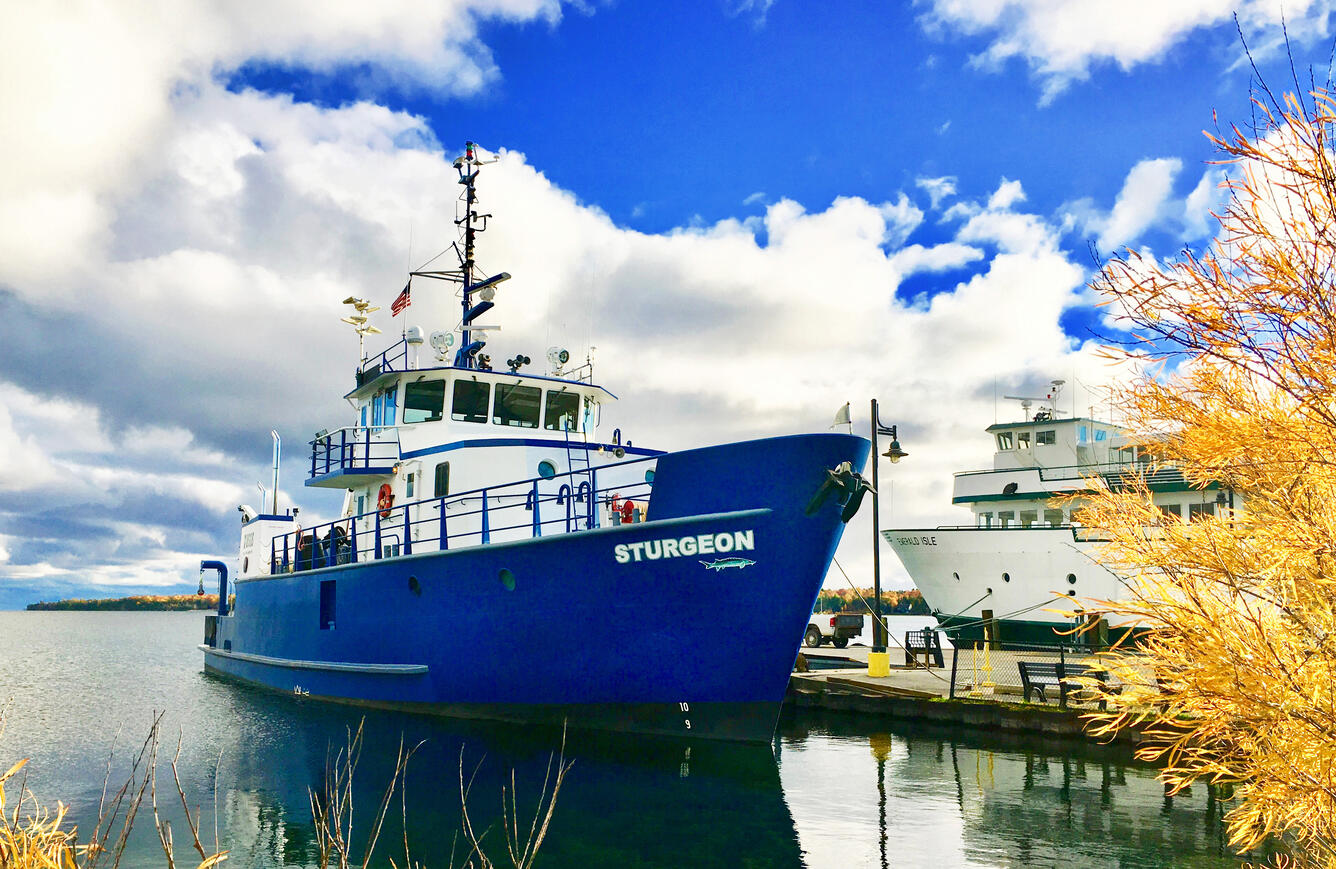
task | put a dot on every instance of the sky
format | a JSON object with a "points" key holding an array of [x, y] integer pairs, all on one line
{"points": [[754, 210]]}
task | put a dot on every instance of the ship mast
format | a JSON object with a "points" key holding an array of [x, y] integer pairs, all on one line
{"points": [[473, 336], [473, 339]]}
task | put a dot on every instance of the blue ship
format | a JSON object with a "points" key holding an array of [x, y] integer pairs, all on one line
{"points": [[496, 559]]}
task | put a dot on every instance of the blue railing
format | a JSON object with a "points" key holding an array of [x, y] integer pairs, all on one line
{"points": [[394, 358], [353, 450], [511, 511]]}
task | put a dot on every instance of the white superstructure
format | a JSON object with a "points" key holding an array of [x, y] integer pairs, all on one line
{"points": [[1023, 550]]}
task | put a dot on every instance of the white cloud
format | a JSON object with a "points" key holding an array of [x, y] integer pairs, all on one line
{"points": [[1206, 198], [1061, 40], [937, 188], [1140, 203]]}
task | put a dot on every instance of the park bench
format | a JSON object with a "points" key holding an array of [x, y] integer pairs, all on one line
{"points": [[1037, 676], [927, 643]]}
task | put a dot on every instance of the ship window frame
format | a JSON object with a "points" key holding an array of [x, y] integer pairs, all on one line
{"points": [[461, 410], [1196, 512], [513, 407], [424, 390], [1005, 441], [1022, 440], [1047, 437], [441, 480], [552, 422], [1006, 518], [1028, 518], [1053, 517]]}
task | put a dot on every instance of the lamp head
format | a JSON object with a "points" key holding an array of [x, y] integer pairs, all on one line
{"points": [[894, 453]]}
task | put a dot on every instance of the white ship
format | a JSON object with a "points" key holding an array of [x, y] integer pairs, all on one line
{"points": [[1023, 552]]}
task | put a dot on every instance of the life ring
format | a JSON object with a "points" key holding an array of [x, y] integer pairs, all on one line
{"points": [[628, 510], [385, 500]]}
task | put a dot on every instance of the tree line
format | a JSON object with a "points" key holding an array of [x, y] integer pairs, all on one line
{"points": [[845, 600], [135, 602]]}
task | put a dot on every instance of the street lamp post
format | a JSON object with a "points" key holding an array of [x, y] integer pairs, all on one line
{"points": [[895, 454]]}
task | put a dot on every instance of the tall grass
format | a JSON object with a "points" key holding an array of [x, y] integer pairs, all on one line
{"points": [[32, 836]]}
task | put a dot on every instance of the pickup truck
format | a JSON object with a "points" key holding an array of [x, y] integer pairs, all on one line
{"points": [[835, 628]]}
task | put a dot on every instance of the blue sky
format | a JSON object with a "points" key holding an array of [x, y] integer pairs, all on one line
{"points": [[755, 210]]}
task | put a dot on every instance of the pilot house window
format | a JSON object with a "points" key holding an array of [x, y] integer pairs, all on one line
{"points": [[562, 412], [1046, 437], [1004, 441], [423, 401], [470, 401], [517, 405]]}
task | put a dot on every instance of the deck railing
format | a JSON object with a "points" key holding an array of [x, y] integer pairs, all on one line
{"points": [[354, 449], [573, 501], [393, 358]]}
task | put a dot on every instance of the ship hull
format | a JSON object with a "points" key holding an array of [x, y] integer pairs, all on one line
{"points": [[1017, 578], [601, 628]]}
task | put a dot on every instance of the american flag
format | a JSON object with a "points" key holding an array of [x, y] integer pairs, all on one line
{"points": [[403, 301]]}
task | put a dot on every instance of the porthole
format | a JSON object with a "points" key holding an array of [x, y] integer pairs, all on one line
{"points": [[547, 469], [507, 579], [1071, 579], [989, 590], [1006, 577], [1071, 592], [414, 586], [956, 576]]}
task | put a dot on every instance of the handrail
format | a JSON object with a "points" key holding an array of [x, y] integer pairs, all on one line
{"points": [[1077, 472], [385, 361], [511, 511], [353, 448]]}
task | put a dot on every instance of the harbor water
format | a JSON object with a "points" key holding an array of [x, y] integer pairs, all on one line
{"points": [[81, 690]]}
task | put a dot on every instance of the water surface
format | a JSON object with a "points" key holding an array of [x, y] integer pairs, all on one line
{"points": [[839, 791]]}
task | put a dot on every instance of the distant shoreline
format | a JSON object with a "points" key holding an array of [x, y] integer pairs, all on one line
{"points": [[163, 602]]}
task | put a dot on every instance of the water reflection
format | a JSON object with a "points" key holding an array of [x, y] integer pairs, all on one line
{"points": [[947, 797], [626, 801]]}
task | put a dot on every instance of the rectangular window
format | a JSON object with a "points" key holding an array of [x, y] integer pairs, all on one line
{"points": [[470, 401], [1029, 517], [377, 408], [442, 480], [1023, 440], [1046, 437], [364, 416], [423, 401], [408, 485], [326, 604], [1196, 511], [391, 398], [562, 412], [1171, 510], [1005, 518], [1004, 441], [361, 504], [1053, 517], [517, 405], [985, 520], [389, 550]]}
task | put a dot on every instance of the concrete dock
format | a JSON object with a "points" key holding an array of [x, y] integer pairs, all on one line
{"points": [[922, 694]]}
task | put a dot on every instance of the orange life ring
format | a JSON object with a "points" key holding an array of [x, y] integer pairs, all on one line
{"points": [[385, 500]]}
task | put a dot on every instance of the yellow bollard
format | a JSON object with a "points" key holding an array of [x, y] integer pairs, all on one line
{"points": [[878, 664]]}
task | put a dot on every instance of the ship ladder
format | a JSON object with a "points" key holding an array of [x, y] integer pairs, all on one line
{"points": [[576, 455]]}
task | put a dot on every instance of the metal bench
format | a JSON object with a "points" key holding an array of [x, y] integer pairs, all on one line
{"points": [[927, 643], [1038, 676]]}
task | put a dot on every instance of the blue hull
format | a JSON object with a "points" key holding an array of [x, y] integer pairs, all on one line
{"points": [[633, 627]]}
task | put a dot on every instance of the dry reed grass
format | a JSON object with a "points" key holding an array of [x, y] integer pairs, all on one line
{"points": [[33, 836]]}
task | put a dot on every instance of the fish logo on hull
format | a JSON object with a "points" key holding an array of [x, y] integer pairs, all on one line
{"points": [[723, 563]]}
